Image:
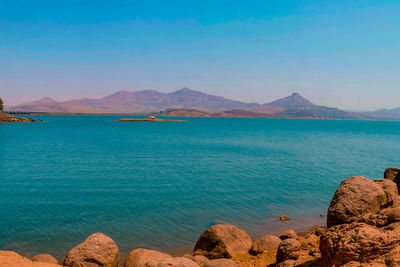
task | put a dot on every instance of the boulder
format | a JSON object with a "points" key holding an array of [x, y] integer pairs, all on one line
{"points": [[317, 230], [392, 174], [393, 257], [13, 259], [144, 258], [97, 250], [265, 243], [201, 260], [287, 234], [151, 258], [288, 250], [390, 189], [44, 258], [355, 197], [220, 263], [223, 241], [175, 262], [345, 243]]}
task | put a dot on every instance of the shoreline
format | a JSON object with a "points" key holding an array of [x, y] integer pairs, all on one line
{"points": [[363, 226], [267, 116]]}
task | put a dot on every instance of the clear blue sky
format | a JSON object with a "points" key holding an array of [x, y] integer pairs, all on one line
{"points": [[336, 53]]}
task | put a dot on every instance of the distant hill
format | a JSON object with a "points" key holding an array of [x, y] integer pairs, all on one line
{"points": [[293, 100], [136, 102], [185, 102], [385, 113]]}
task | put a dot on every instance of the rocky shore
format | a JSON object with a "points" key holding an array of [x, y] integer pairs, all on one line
{"points": [[4, 117], [363, 229]]}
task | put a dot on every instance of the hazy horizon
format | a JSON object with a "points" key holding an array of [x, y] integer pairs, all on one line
{"points": [[343, 54]]}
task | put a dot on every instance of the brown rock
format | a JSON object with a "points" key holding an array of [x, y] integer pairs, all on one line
{"points": [[12, 259], [152, 258], [393, 257], [284, 218], [287, 234], [175, 262], [144, 257], [392, 174], [44, 258], [223, 241], [220, 263], [344, 243], [355, 197], [265, 243], [287, 250], [390, 189], [97, 250], [287, 263], [201, 260], [317, 230]]}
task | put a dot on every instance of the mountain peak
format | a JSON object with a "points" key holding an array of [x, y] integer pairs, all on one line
{"points": [[294, 99]]}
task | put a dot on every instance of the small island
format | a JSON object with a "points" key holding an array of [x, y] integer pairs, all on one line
{"points": [[150, 118]]}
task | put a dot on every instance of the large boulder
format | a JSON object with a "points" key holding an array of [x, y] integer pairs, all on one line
{"points": [[13, 259], [97, 250], [355, 197], [265, 243], [345, 243], [44, 258], [223, 241]]}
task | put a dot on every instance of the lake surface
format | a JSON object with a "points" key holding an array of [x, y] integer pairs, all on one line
{"points": [[159, 185]]}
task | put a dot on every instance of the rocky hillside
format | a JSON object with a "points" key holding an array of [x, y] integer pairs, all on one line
{"points": [[363, 230], [148, 101], [9, 118]]}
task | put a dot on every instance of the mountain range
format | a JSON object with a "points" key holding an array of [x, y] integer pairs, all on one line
{"points": [[186, 101]]}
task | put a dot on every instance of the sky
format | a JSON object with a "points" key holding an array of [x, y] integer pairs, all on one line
{"points": [[344, 54]]}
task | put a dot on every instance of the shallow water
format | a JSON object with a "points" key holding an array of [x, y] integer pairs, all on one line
{"points": [[160, 185]]}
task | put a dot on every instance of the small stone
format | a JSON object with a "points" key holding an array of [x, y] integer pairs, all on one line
{"points": [[284, 218]]}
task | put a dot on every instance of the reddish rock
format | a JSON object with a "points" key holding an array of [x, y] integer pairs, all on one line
{"points": [[144, 257], [265, 243], [97, 250], [355, 197], [44, 258], [13, 259], [220, 263], [288, 250], [287, 234], [223, 241]]}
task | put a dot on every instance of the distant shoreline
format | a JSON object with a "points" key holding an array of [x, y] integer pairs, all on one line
{"points": [[193, 116]]}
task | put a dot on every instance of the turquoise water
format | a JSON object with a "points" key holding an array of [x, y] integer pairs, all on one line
{"points": [[160, 185]]}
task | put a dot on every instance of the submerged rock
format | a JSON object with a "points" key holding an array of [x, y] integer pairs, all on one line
{"points": [[223, 241], [97, 250], [355, 197], [284, 218]]}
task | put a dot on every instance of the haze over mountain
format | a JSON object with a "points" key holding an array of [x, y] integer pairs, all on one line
{"points": [[148, 101]]}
